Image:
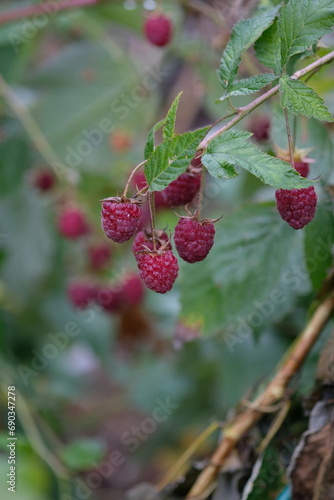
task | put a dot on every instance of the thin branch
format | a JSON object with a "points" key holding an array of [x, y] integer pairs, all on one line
{"points": [[272, 393], [244, 111], [131, 177], [42, 8]]}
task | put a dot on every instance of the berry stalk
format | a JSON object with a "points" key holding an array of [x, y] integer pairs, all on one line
{"points": [[131, 177], [274, 391]]}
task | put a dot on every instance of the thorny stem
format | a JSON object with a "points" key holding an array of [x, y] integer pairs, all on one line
{"points": [[244, 111], [42, 8], [152, 218], [272, 393], [131, 177], [288, 131]]}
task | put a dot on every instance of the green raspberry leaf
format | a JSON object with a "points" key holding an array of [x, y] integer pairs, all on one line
{"points": [[232, 149], [319, 241], [298, 98], [243, 35], [249, 273], [169, 129], [150, 144], [268, 48], [171, 158], [301, 23], [250, 85]]}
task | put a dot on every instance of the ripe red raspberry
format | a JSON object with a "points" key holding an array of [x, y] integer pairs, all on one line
{"points": [[158, 29], [302, 168], [132, 290], [81, 293], [194, 239], [72, 223], [182, 190], [296, 206], [43, 179], [143, 241], [120, 218], [99, 256], [158, 270]]}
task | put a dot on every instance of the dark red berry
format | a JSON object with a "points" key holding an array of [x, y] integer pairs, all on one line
{"points": [[194, 239], [302, 168], [108, 298], [43, 179], [182, 190], [120, 219], [143, 241], [296, 206], [260, 128], [158, 270], [99, 256], [72, 223], [132, 290], [81, 293], [158, 29]]}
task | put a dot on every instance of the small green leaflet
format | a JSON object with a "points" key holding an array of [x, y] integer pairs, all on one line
{"points": [[150, 145], [169, 129], [250, 85], [243, 35], [268, 48], [233, 149], [301, 23], [171, 158], [298, 98]]}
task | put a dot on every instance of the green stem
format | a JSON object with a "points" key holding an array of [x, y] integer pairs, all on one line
{"points": [[131, 177], [288, 131], [244, 111], [151, 205]]}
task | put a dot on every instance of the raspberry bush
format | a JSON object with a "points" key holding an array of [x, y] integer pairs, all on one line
{"points": [[167, 237]]}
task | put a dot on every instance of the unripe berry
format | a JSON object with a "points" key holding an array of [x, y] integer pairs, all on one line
{"points": [[158, 29]]}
